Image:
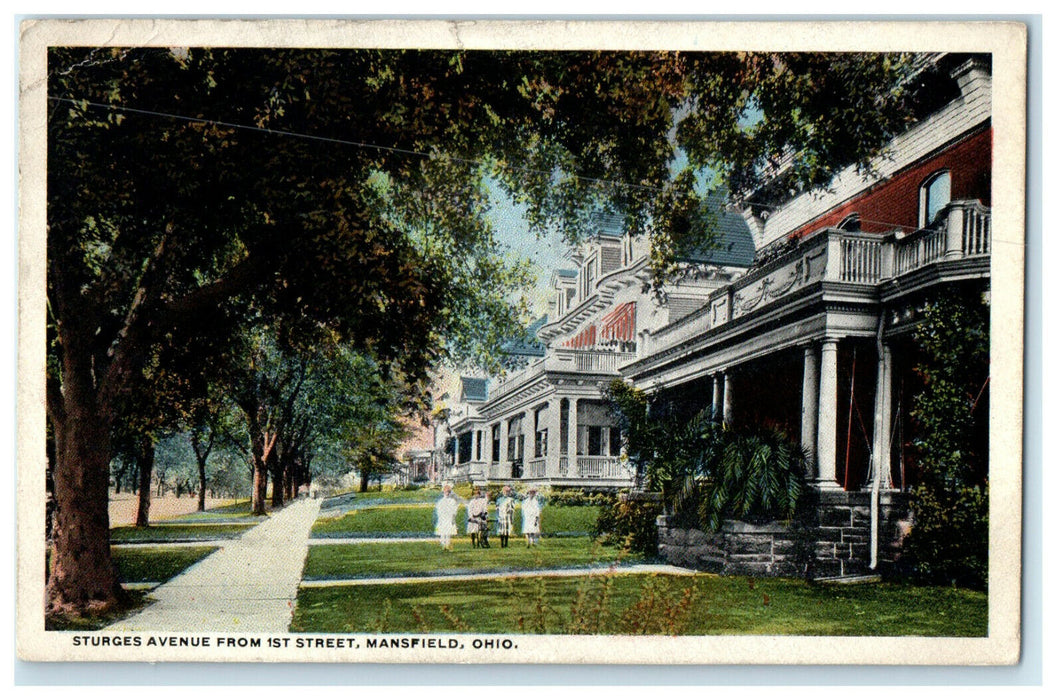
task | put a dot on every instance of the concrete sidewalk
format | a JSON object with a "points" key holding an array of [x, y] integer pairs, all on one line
{"points": [[249, 585], [521, 573]]}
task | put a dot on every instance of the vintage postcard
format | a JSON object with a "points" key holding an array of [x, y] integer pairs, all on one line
{"points": [[521, 342]]}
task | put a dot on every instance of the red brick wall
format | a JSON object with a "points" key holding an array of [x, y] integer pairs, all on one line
{"points": [[895, 203]]}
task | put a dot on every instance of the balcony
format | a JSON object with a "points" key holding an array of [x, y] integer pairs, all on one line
{"points": [[565, 360], [858, 260]]}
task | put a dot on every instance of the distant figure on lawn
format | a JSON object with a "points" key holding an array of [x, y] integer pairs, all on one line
{"points": [[531, 508], [505, 505], [477, 519], [446, 510]]}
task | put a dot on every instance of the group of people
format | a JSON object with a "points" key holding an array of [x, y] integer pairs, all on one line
{"points": [[477, 523]]}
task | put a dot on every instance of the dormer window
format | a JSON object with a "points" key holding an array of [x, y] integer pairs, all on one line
{"points": [[934, 196], [588, 274]]}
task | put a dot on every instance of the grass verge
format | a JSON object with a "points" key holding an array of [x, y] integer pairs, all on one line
{"points": [[645, 604], [134, 601], [421, 520], [181, 532], [156, 564], [341, 561], [134, 566]]}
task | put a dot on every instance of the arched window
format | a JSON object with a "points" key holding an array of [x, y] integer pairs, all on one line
{"points": [[934, 196], [851, 223]]}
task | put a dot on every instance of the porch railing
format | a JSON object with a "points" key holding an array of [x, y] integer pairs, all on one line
{"points": [[537, 468], [601, 467], [565, 360], [832, 255]]}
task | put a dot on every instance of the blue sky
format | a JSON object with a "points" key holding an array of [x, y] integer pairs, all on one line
{"points": [[546, 253]]}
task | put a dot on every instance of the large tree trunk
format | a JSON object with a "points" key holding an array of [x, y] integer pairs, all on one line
{"points": [[363, 485], [145, 463], [201, 504], [82, 575], [258, 461], [258, 487], [277, 472]]}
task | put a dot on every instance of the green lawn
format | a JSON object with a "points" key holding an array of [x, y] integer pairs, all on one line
{"points": [[157, 564], [420, 520], [140, 565], [238, 511], [644, 604], [181, 532], [340, 561], [424, 495]]}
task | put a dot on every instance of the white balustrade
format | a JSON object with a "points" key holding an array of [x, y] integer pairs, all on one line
{"points": [[832, 255], [537, 468], [566, 360], [601, 467]]}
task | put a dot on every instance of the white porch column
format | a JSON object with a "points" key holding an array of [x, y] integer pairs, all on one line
{"points": [[554, 436], [726, 411], [570, 440], [882, 426], [503, 467], [826, 420], [528, 428], [716, 397], [810, 379]]}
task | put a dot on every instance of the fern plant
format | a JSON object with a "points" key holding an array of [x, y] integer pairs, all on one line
{"points": [[756, 477]]}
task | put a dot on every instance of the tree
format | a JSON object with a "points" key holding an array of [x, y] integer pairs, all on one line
{"points": [[211, 424], [194, 192]]}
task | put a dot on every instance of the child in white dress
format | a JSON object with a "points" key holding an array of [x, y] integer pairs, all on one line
{"points": [[446, 510]]}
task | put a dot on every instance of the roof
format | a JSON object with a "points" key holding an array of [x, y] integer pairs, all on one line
{"points": [[567, 273], [609, 223], [734, 243], [529, 346], [474, 389]]}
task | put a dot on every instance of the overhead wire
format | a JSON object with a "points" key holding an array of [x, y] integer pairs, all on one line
{"points": [[400, 151], [343, 142]]}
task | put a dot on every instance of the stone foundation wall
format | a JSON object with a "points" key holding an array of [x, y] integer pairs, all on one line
{"points": [[833, 540]]}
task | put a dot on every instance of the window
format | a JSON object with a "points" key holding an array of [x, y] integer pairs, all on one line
{"points": [[934, 196], [594, 440], [587, 280], [541, 433], [515, 448], [541, 442], [465, 447], [615, 442], [564, 427], [851, 223], [495, 443]]}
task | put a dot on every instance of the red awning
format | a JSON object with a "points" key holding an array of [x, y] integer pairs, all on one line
{"points": [[619, 324]]}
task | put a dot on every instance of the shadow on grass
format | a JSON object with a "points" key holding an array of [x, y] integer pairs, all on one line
{"points": [[134, 566], [133, 602]]}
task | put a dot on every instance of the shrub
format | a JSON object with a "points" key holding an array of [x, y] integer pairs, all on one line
{"points": [[949, 542], [573, 497], [630, 524], [950, 537]]}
